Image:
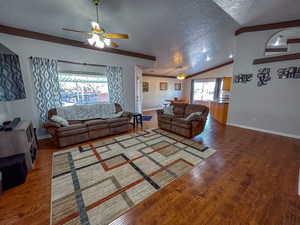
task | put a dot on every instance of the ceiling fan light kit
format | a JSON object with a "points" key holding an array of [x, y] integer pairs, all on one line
{"points": [[97, 37]]}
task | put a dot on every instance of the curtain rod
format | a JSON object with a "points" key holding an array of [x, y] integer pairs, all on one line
{"points": [[79, 72], [77, 63]]}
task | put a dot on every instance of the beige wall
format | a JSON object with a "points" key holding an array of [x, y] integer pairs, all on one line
{"points": [[225, 71], [273, 108], [155, 97]]}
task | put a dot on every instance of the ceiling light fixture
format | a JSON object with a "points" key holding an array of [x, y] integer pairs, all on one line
{"points": [[204, 50], [208, 58], [230, 56], [97, 40], [97, 36], [181, 76]]}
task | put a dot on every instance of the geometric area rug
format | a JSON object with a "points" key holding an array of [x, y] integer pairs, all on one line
{"points": [[95, 183]]}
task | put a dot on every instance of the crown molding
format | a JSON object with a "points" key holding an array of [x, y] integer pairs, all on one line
{"points": [[210, 69], [270, 26], [158, 76], [65, 41]]}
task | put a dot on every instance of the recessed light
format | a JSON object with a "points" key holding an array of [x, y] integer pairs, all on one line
{"points": [[208, 58], [204, 50], [231, 56]]}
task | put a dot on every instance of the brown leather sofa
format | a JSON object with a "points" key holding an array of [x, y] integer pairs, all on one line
{"points": [[178, 123], [83, 130]]}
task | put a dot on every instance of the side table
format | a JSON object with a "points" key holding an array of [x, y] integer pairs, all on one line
{"points": [[137, 119]]}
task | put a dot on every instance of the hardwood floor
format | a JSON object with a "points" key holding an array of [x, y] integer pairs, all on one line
{"points": [[251, 180]]}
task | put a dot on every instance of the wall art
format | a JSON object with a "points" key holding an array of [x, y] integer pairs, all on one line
{"points": [[242, 78], [263, 76], [289, 73], [145, 86], [177, 86], [163, 86]]}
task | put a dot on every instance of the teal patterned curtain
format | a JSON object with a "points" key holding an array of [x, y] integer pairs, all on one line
{"points": [[114, 76], [11, 82], [45, 78]]}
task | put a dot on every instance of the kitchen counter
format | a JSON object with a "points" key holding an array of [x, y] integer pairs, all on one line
{"points": [[218, 109]]}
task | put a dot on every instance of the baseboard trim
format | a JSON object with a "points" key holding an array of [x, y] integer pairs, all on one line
{"points": [[151, 109], [265, 131]]}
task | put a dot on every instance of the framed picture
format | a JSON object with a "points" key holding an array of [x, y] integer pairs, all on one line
{"points": [[163, 86], [145, 86], [177, 86]]}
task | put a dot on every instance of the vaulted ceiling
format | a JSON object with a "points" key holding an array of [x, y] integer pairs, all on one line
{"points": [[177, 32]]}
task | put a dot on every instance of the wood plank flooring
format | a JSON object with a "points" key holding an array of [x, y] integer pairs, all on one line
{"points": [[251, 180]]}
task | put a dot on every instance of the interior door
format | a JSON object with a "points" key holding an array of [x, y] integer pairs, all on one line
{"points": [[138, 89]]}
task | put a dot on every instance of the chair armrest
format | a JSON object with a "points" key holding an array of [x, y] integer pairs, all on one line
{"points": [[49, 124]]}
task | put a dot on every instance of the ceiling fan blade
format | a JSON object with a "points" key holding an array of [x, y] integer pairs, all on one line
{"points": [[77, 31], [114, 44], [116, 36]]}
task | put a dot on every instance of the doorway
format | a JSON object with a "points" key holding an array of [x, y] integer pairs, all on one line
{"points": [[138, 89]]}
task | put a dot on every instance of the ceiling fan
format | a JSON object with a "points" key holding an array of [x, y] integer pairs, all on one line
{"points": [[97, 36]]}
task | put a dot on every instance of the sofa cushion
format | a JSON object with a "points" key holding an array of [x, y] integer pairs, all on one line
{"points": [[97, 125], [95, 122], [62, 121], [117, 121], [72, 139], [97, 132], [179, 108], [72, 130], [72, 127], [164, 125], [181, 122], [166, 117]]}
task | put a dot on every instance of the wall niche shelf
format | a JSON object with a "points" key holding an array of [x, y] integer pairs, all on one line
{"points": [[280, 58]]}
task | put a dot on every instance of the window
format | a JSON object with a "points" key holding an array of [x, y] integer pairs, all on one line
{"points": [[78, 88], [203, 90]]}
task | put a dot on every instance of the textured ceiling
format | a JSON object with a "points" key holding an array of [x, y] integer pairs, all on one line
{"points": [[175, 31], [255, 12]]}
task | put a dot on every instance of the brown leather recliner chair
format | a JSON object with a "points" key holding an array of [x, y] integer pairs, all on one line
{"points": [[84, 130], [177, 123]]}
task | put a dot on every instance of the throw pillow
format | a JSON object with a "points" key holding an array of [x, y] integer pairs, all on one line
{"points": [[193, 115], [60, 120], [116, 115], [169, 110]]}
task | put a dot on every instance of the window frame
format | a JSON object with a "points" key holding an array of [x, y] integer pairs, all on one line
{"points": [[83, 99], [202, 81]]}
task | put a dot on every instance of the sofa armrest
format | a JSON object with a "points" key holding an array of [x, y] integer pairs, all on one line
{"points": [[51, 124], [160, 112], [195, 118], [127, 114]]}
